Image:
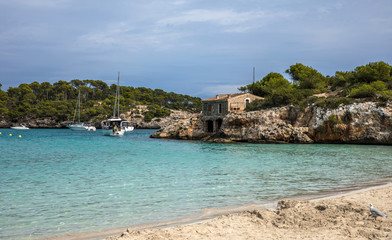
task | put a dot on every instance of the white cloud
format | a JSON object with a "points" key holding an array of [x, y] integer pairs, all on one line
{"points": [[232, 21], [167, 33], [126, 36]]}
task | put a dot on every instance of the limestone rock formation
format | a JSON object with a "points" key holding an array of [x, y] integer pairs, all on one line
{"points": [[138, 122], [365, 123]]}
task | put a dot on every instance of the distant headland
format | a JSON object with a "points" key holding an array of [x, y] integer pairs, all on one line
{"points": [[349, 107]]}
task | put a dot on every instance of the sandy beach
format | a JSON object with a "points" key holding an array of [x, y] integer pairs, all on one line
{"points": [[345, 216]]}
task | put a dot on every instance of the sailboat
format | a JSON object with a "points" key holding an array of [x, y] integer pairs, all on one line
{"points": [[115, 126], [79, 126]]}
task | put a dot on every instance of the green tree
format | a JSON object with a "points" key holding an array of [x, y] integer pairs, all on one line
{"points": [[306, 77], [374, 71], [63, 90], [267, 85], [76, 83], [48, 92]]}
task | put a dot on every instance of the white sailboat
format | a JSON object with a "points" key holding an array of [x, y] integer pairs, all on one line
{"points": [[79, 126], [116, 126]]}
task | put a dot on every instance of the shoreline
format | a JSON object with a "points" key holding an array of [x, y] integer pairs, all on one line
{"points": [[207, 215]]}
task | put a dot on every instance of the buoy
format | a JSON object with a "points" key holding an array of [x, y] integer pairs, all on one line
{"points": [[20, 136], [10, 135]]}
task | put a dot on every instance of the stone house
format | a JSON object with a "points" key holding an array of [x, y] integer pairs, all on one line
{"points": [[215, 108]]}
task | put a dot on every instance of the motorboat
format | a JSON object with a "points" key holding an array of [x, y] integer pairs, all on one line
{"points": [[116, 126], [21, 127]]}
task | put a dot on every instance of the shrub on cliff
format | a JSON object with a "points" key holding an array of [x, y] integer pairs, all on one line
{"points": [[368, 90], [305, 77], [373, 80]]}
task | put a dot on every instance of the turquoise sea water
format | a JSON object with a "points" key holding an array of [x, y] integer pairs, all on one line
{"points": [[60, 181]]}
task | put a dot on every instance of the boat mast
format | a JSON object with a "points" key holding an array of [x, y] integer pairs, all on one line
{"points": [[117, 99], [118, 95], [79, 107]]}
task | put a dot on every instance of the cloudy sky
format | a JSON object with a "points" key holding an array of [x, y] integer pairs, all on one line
{"points": [[195, 47]]}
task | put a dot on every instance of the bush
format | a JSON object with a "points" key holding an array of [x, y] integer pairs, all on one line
{"points": [[333, 119], [335, 102], [363, 91], [148, 116], [254, 105]]}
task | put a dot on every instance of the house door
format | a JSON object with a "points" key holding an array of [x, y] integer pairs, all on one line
{"points": [[219, 123], [210, 126]]}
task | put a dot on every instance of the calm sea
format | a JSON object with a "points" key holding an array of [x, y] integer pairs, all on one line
{"points": [[60, 181]]}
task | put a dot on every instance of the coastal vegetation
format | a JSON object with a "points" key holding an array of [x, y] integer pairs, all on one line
{"points": [[58, 100], [370, 82]]}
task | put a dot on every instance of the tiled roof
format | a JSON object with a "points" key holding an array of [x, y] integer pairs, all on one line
{"points": [[223, 97]]}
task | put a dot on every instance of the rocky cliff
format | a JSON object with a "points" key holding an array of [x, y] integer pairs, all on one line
{"points": [[156, 123], [365, 123]]}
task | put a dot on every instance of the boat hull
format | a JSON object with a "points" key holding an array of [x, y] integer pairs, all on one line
{"points": [[113, 133], [115, 127], [20, 128], [81, 127], [77, 127]]}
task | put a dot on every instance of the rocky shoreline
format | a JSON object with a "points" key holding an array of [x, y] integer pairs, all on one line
{"points": [[357, 123], [137, 122]]}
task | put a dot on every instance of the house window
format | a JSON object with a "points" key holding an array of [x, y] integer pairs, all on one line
{"points": [[209, 107], [220, 108]]}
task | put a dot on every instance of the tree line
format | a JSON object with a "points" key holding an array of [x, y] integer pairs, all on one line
{"points": [[369, 82], [58, 100]]}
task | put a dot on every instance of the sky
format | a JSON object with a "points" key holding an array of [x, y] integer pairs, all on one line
{"points": [[196, 47]]}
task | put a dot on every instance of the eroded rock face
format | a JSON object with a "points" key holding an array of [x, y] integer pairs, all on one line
{"points": [[365, 123], [157, 123], [189, 128]]}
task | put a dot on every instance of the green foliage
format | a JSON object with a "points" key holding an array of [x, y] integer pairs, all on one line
{"points": [[148, 116], [268, 85], [38, 100], [341, 79], [374, 71], [306, 77], [155, 111], [333, 120], [255, 105], [373, 80], [364, 91], [333, 102]]}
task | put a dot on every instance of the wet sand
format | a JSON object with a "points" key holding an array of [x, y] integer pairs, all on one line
{"points": [[340, 214]]}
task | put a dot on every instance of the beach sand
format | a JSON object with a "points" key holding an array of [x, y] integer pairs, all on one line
{"points": [[346, 216]]}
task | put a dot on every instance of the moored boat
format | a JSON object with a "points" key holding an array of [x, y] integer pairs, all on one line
{"points": [[80, 126], [115, 126], [21, 127]]}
